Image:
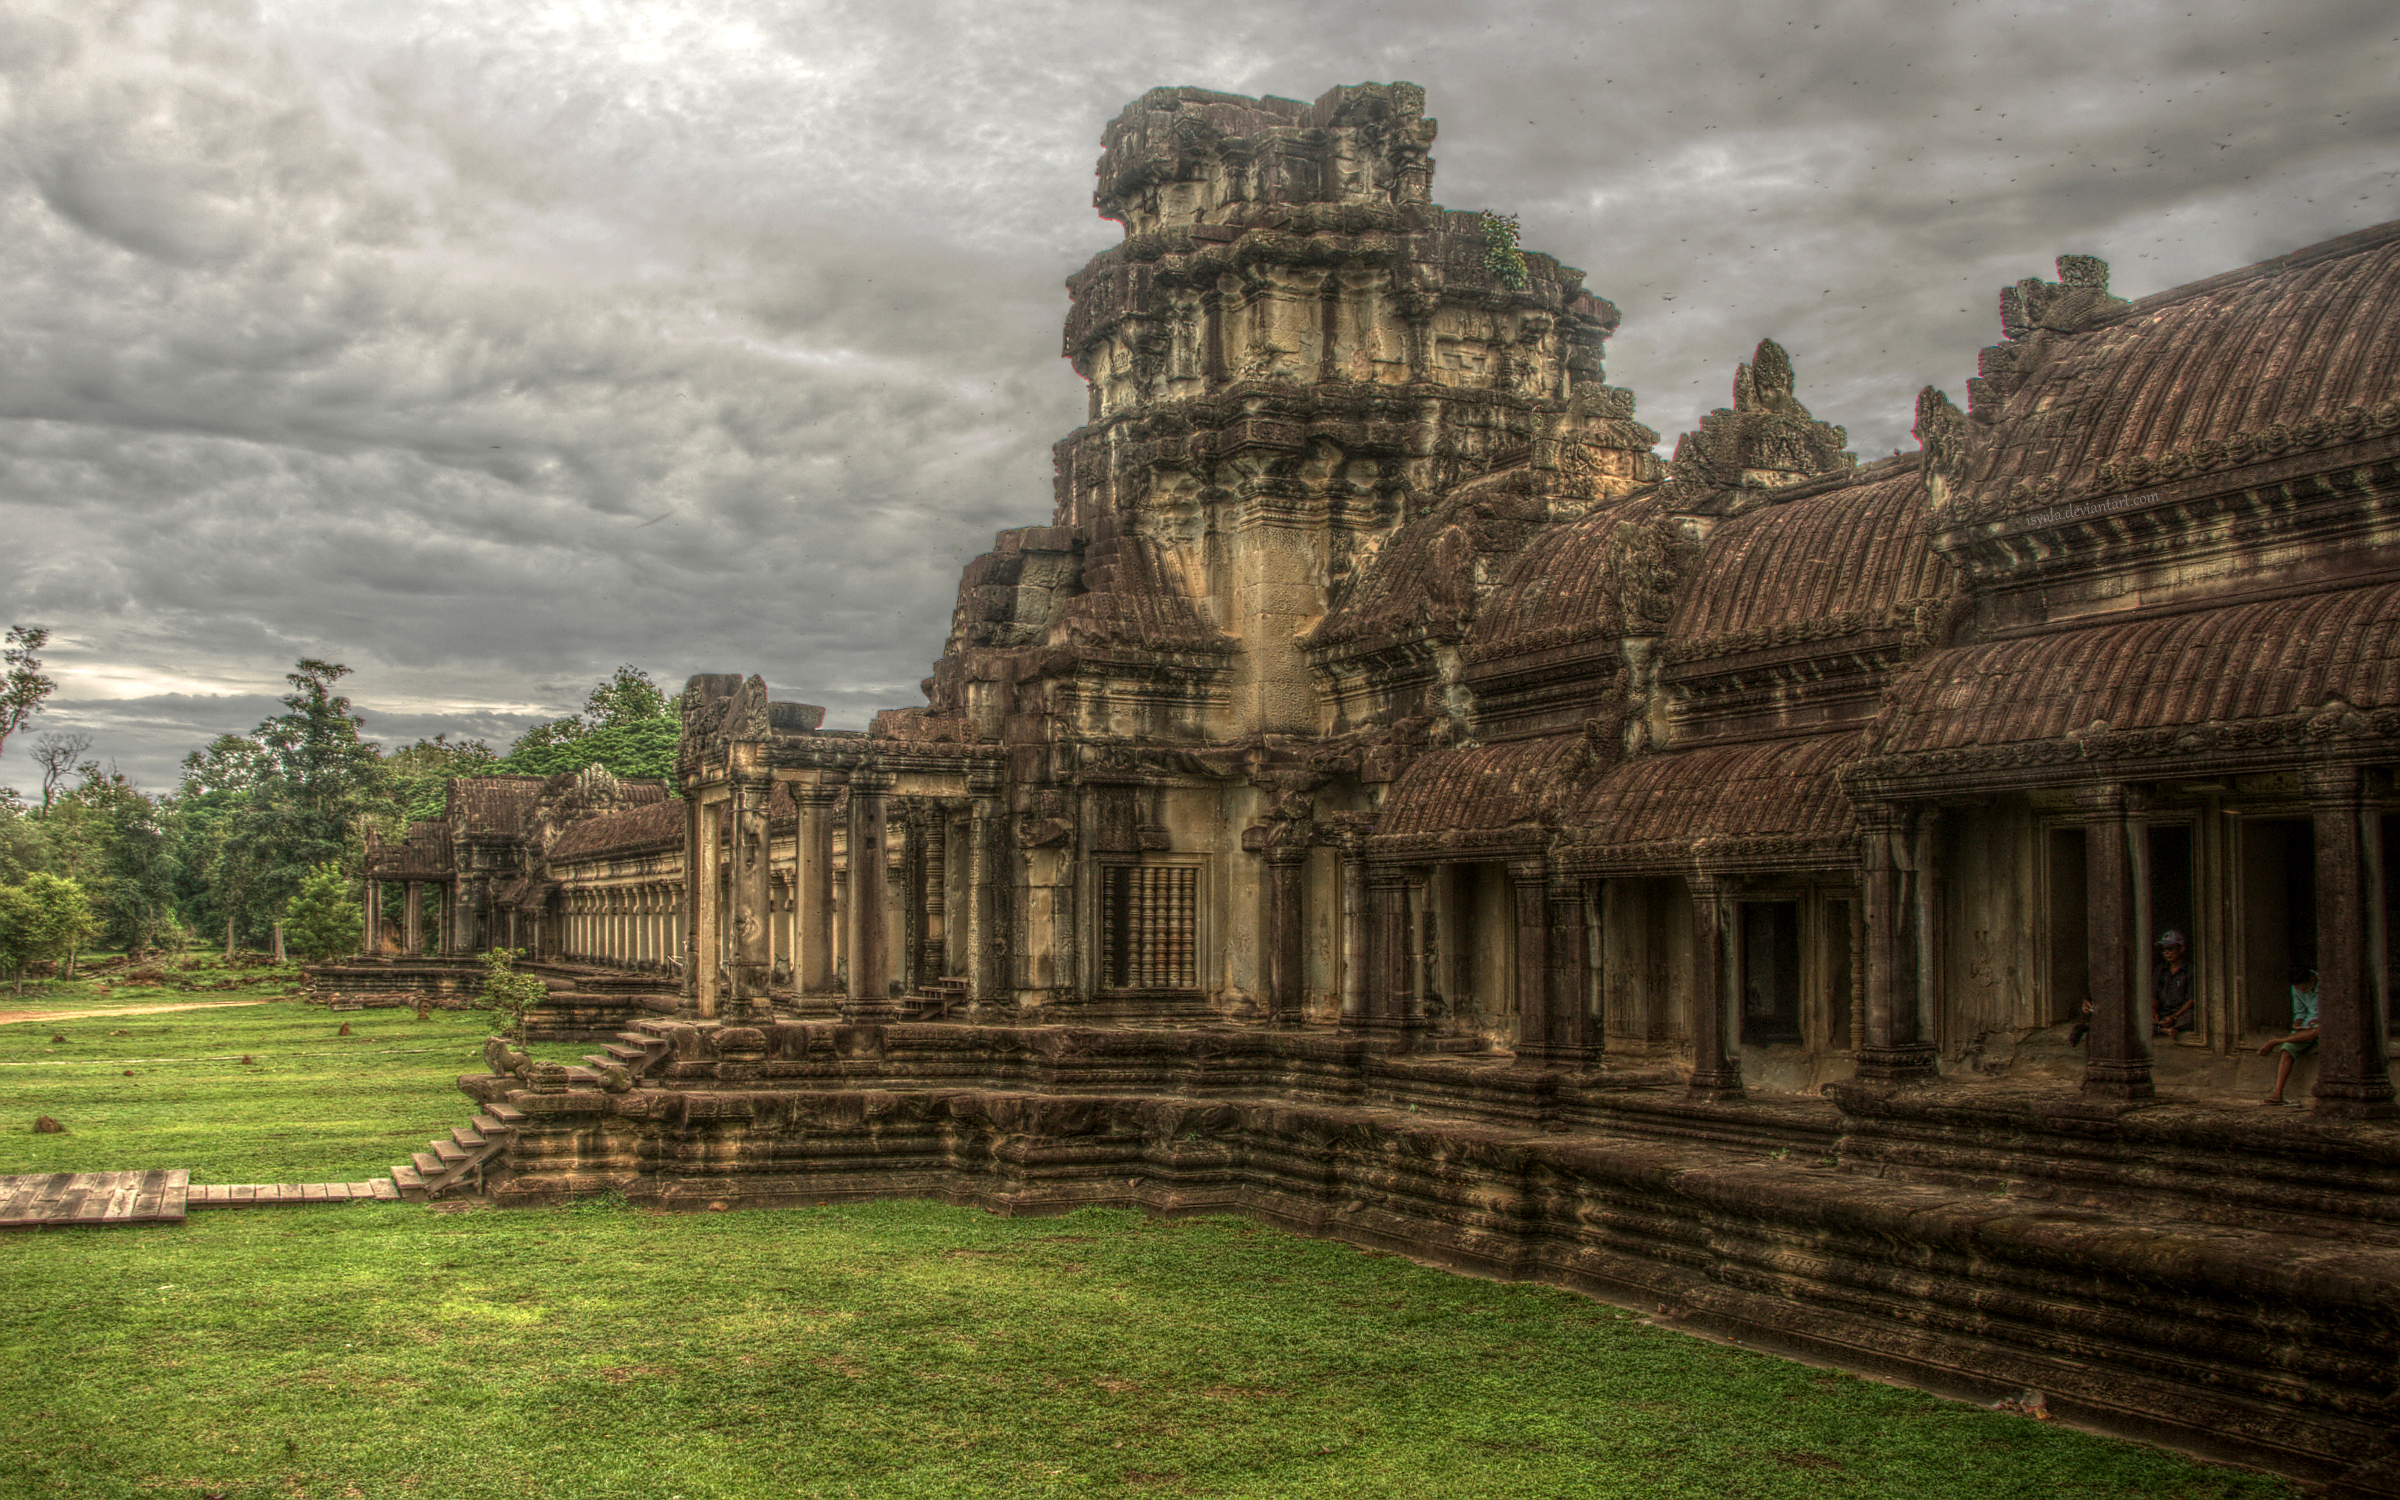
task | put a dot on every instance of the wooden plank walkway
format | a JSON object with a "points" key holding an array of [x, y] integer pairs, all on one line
{"points": [[66, 1200], [269, 1194], [76, 1199]]}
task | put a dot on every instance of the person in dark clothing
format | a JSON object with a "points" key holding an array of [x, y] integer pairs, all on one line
{"points": [[2171, 986]]}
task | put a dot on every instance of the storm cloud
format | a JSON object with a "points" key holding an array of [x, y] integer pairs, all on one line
{"points": [[484, 348]]}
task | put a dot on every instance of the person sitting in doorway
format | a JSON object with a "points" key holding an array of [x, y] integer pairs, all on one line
{"points": [[2171, 986], [2303, 1039]]}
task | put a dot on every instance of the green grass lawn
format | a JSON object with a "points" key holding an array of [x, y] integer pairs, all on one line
{"points": [[889, 1349]]}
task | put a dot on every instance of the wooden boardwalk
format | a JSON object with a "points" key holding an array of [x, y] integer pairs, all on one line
{"points": [[76, 1199], [73, 1200]]}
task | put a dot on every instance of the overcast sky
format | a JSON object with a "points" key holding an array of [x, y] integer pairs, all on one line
{"points": [[483, 347]]}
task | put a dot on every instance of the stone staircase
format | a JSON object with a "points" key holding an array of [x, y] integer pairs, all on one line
{"points": [[938, 1000], [458, 1163]]}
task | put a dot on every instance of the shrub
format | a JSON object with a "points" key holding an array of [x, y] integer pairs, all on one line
{"points": [[507, 993]]}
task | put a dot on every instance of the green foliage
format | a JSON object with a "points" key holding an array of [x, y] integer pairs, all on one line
{"points": [[24, 841], [23, 689], [1500, 253], [45, 916], [421, 774], [629, 697], [298, 792], [628, 724], [645, 749], [507, 993], [323, 917]]}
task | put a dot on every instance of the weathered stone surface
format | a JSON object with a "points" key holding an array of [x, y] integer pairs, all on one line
{"points": [[1385, 800]]}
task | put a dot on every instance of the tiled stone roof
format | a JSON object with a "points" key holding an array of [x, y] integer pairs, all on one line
{"points": [[2298, 352], [2250, 661]]}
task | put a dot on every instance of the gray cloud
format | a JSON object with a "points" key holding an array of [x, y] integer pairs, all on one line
{"points": [[484, 349]]}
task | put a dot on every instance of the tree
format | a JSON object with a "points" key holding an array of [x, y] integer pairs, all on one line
{"points": [[628, 724], [629, 697], [421, 773], [299, 791], [16, 933], [24, 842], [23, 690], [58, 755], [43, 917], [141, 871], [628, 750], [323, 918]]}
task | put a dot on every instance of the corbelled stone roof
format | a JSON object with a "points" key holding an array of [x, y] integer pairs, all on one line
{"points": [[627, 829], [1849, 556], [2251, 661], [2294, 353], [1475, 787], [1775, 788]]}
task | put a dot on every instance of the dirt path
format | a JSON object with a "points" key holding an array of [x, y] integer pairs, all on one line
{"points": [[8, 1016]]}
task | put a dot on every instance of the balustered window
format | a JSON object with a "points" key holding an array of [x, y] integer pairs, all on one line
{"points": [[1149, 927]]}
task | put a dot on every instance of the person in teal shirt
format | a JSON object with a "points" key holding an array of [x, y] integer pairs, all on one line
{"points": [[2303, 1039]]}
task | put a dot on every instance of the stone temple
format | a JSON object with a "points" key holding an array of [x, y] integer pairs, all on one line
{"points": [[1388, 801]]}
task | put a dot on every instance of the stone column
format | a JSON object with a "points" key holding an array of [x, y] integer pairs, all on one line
{"points": [[1529, 884], [1894, 1047], [688, 907], [2116, 1062], [1357, 937], [412, 937], [371, 913], [985, 973], [1287, 903], [1575, 1036], [706, 895], [812, 894], [1716, 1065], [870, 997], [2354, 1079], [1387, 987], [747, 958]]}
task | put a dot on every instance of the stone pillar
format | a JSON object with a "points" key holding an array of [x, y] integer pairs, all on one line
{"points": [[708, 934], [1894, 1046], [1576, 1037], [812, 891], [371, 912], [1388, 956], [1287, 902], [1357, 937], [688, 908], [1716, 1065], [1529, 884], [2354, 1079], [986, 975], [869, 945], [2116, 1062], [747, 957], [412, 932]]}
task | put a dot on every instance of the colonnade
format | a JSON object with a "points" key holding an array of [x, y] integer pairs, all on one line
{"points": [[887, 895], [630, 925], [412, 924]]}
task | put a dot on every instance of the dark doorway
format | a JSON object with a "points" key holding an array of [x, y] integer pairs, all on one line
{"points": [[2070, 925], [2171, 884], [2279, 916], [1770, 938]]}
